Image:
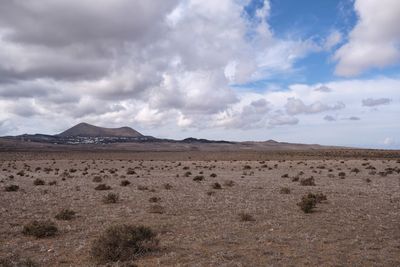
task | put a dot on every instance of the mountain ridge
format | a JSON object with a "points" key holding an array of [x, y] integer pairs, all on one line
{"points": [[84, 129]]}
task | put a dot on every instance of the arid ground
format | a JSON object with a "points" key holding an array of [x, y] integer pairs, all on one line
{"points": [[252, 219]]}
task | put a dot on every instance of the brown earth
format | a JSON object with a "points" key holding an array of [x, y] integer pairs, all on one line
{"points": [[358, 225]]}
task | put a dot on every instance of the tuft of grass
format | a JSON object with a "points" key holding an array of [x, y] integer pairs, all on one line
{"points": [[123, 243], [102, 187], [38, 181], [11, 188], [40, 229], [65, 215], [111, 198], [213, 175], [245, 217]]}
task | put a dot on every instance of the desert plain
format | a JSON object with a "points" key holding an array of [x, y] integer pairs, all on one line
{"points": [[206, 208]]}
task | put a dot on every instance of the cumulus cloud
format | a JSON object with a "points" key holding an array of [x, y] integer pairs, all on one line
{"points": [[296, 106], [369, 102], [374, 41], [135, 60], [281, 119], [252, 115]]}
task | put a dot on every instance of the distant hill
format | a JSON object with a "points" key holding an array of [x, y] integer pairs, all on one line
{"points": [[87, 130]]}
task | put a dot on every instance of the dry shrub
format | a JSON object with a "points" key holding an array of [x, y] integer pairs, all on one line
{"points": [[229, 183], [198, 178], [65, 215], [167, 186], [213, 175], [40, 229], [97, 179], [11, 188], [285, 190], [216, 186], [125, 183], [102, 187], [123, 243], [156, 209], [245, 217], [154, 199], [38, 181], [308, 181], [16, 261], [309, 201], [111, 198], [142, 188]]}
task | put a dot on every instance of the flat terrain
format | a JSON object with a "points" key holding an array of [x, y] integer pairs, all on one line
{"points": [[197, 225]]}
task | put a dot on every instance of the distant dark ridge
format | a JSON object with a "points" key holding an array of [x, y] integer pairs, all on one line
{"points": [[87, 130]]}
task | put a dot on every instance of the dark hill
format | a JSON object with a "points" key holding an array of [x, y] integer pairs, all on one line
{"points": [[87, 130]]}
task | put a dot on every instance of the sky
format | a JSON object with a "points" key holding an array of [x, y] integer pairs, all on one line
{"points": [[310, 71]]}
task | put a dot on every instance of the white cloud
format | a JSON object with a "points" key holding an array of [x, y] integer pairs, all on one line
{"points": [[333, 39], [374, 41], [389, 141]]}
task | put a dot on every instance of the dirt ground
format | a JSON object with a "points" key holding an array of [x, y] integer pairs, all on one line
{"points": [[358, 224]]}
